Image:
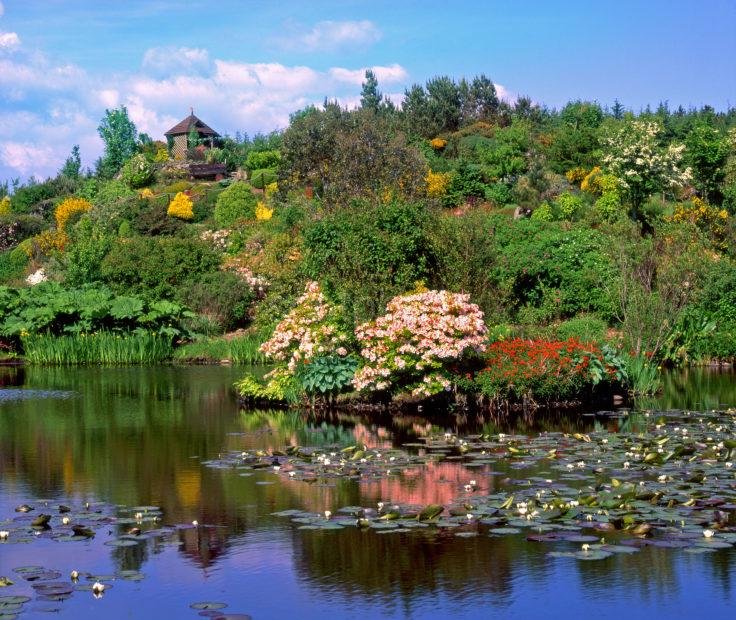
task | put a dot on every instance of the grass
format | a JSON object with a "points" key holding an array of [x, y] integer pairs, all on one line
{"points": [[644, 376], [240, 350], [105, 348]]}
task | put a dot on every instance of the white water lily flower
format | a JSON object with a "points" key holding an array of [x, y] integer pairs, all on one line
{"points": [[138, 516], [98, 587], [195, 523], [66, 520], [729, 464], [468, 516], [580, 463], [708, 533], [74, 575], [627, 465], [276, 467], [292, 474], [328, 514], [4, 534], [586, 547], [589, 517], [662, 478], [380, 505], [473, 483]]}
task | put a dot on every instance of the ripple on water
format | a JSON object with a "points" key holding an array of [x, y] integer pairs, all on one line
{"points": [[9, 395]]}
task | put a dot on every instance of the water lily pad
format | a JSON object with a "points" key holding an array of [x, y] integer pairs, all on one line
{"points": [[208, 605]]}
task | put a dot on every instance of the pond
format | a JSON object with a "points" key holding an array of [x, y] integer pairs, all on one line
{"points": [[152, 449]]}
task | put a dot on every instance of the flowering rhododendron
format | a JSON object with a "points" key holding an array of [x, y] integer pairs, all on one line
{"points": [[312, 328], [411, 345]]}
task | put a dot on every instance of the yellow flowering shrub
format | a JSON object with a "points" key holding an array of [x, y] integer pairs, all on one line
{"points": [[181, 206], [147, 193], [161, 156], [712, 220], [597, 182], [48, 242], [437, 183], [576, 175], [5, 205], [271, 189], [262, 211], [438, 143], [67, 209]]}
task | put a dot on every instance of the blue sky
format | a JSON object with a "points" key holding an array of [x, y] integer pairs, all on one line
{"points": [[245, 65]]}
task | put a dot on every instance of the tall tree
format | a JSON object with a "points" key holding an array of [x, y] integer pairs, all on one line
{"points": [[370, 97], [73, 164], [119, 134]]}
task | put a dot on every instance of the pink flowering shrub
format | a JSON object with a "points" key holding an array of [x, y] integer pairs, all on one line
{"points": [[312, 335], [412, 346], [313, 328]]}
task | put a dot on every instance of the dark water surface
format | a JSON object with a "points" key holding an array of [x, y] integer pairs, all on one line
{"points": [[138, 436]]}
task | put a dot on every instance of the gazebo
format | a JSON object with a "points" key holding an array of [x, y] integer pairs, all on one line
{"points": [[179, 134]]}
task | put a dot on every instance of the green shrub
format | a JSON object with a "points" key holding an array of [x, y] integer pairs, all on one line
{"points": [[138, 171], [262, 177], [568, 206], [258, 160], [543, 213], [222, 297], [235, 203], [609, 206], [83, 257], [176, 187], [499, 194], [368, 253], [240, 350], [153, 220], [584, 328], [13, 264], [158, 267], [564, 267]]}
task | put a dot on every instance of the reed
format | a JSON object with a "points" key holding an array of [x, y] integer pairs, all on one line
{"points": [[104, 348], [241, 350]]}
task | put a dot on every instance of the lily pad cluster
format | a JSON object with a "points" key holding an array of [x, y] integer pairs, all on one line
{"points": [[668, 483]]}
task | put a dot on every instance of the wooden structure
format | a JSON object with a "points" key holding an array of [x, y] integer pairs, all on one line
{"points": [[179, 134], [215, 172]]}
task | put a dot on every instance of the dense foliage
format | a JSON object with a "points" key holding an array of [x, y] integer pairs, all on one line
{"points": [[588, 222]]}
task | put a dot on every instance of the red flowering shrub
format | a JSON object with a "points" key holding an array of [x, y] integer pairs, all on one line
{"points": [[544, 370]]}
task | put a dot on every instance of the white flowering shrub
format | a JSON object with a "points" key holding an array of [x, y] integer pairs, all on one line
{"points": [[635, 156]]}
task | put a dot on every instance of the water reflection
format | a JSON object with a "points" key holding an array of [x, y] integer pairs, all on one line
{"points": [[138, 436]]}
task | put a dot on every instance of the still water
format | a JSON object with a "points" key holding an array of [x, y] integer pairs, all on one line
{"points": [[139, 436]]}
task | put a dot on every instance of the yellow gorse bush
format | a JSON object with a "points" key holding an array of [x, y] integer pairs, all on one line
{"points": [[437, 183], [576, 175], [147, 193], [710, 219], [161, 156], [262, 211], [48, 242], [67, 209], [438, 143], [597, 182], [5, 205], [181, 207]]}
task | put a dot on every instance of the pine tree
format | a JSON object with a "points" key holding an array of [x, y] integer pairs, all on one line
{"points": [[617, 110], [73, 164], [370, 96]]}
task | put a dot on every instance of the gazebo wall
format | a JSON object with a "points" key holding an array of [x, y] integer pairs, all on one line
{"points": [[180, 146]]}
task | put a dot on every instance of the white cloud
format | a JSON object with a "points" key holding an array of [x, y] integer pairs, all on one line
{"points": [[9, 41], [169, 60], [27, 158], [385, 75], [330, 35], [2, 9], [505, 94]]}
